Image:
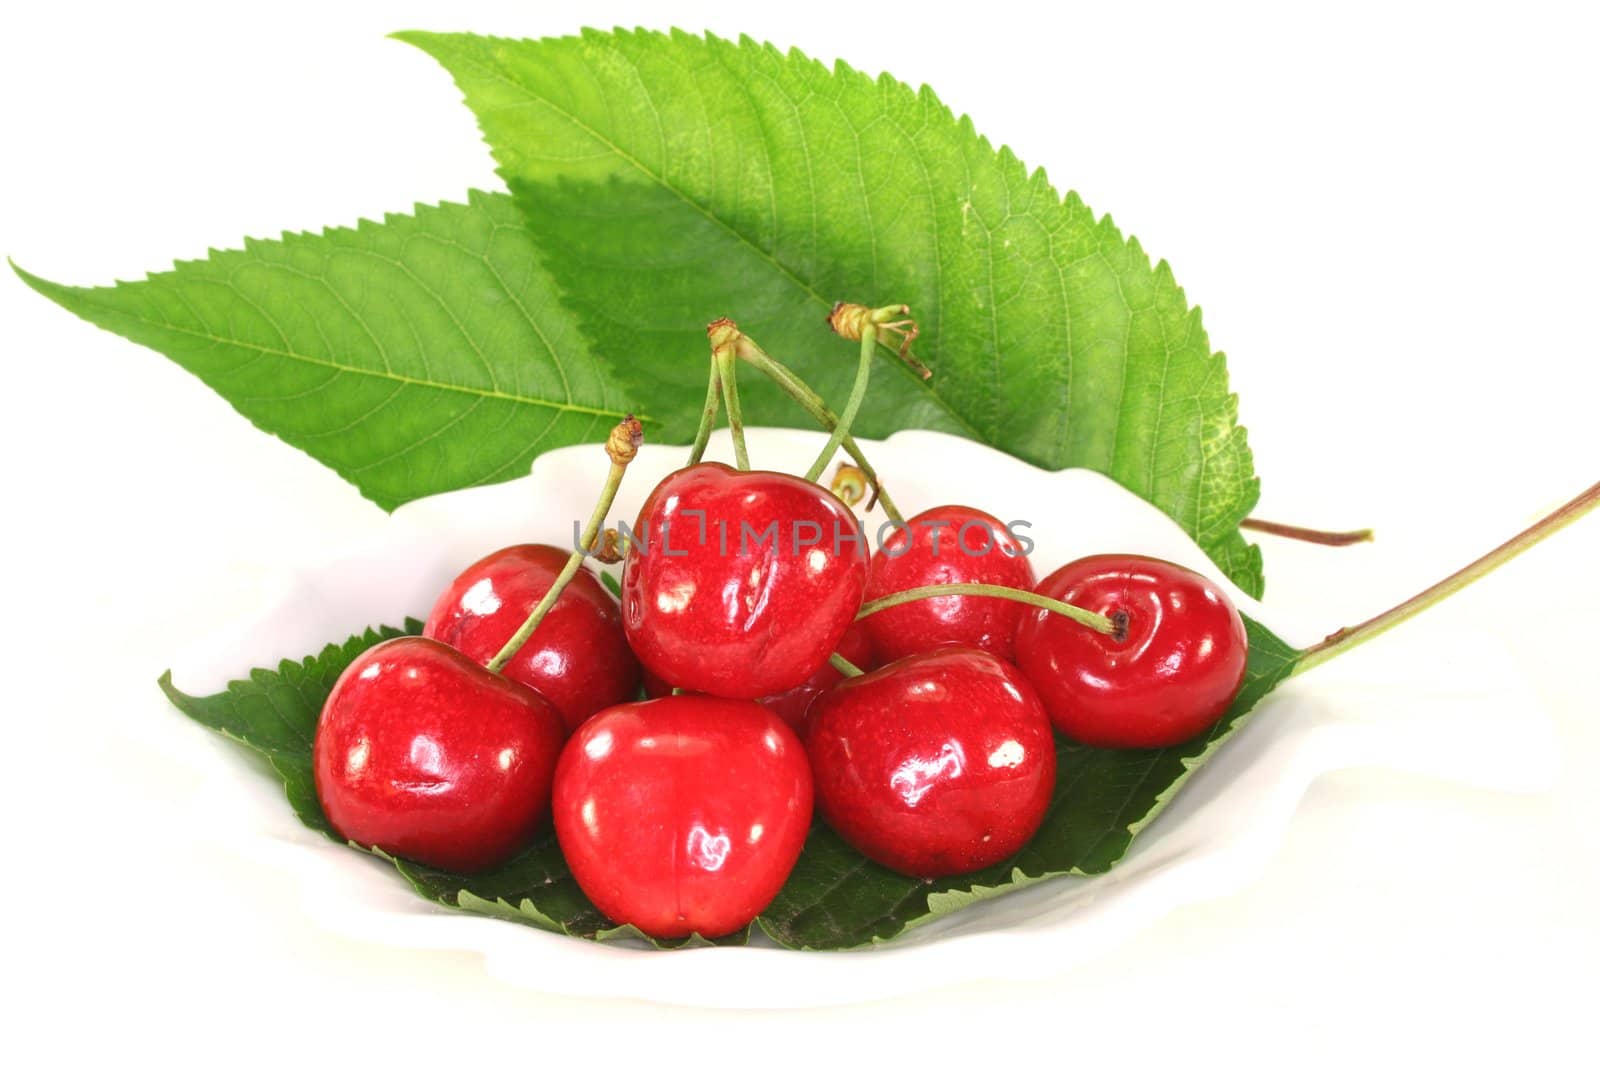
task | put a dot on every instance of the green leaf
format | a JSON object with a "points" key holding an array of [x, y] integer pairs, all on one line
{"points": [[834, 899], [419, 355], [837, 898], [672, 179]]}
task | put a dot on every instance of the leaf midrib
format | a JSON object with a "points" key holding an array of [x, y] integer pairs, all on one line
{"points": [[389, 375]]}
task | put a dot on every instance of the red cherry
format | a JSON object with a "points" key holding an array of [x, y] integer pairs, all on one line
{"points": [[946, 545], [578, 658], [940, 763], [1167, 677], [791, 704], [683, 815], [740, 583], [425, 754]]}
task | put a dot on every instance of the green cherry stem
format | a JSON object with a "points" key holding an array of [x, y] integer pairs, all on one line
{"points": [[808, 399], [856, 322], [724, 336], [1343, 640], [845, 667], [858, 393], [708, 414], [621, 446], [1093, 620]]}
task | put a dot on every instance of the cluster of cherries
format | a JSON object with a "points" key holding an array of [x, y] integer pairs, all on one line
{"points": [[781, 672]]}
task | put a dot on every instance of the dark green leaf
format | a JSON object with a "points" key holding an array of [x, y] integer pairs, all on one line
{"points": [[419, 355], [673, 179], [834, 899]]}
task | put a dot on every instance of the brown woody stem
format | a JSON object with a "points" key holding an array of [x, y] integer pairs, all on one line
{"points": [[1343, 640]]}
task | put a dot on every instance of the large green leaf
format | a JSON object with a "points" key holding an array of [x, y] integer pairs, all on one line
{"points": [[834, 899], [672, 179], [419, 355]]}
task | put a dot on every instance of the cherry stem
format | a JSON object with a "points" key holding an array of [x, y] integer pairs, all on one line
{"points": [[858, 393], [1092, 619], [1343, 640], [708, 415], [1332, 538], [808, 399], [621, 447], [845, 667], [724, 334]]}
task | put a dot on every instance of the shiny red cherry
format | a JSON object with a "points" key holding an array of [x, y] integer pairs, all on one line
{"points": [[425, 754], [740, 583], [684, 814], [791, 704], [1170, 672], [940, 546], [578, 658], [940, 763]]}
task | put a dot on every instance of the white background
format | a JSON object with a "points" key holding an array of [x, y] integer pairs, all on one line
{"points": [[1388, 214]]}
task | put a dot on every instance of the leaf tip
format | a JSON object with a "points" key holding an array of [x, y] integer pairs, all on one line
{"points": [[31, 280], [46, 288], [415, 38], [174, 695]]}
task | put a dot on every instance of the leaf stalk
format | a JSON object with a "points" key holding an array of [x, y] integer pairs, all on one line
{"points": [[1331, 538]]}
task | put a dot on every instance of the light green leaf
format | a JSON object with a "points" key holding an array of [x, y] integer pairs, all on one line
{"points": [[419, 355], [673, 179]]}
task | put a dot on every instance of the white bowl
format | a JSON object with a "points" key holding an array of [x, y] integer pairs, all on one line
{"points": [[1212, 840]]}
